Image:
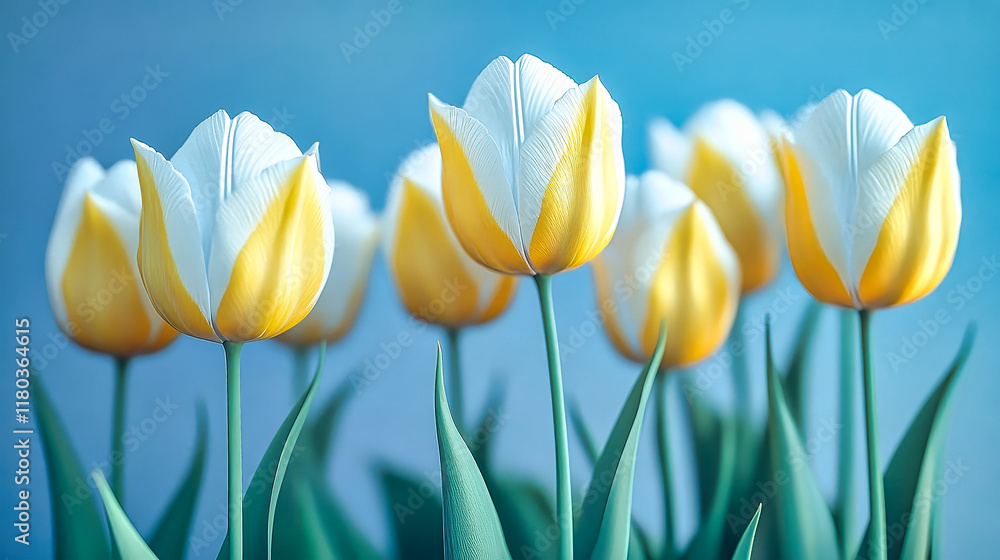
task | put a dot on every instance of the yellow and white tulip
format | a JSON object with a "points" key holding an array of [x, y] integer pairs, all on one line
{"points": [[669, 261], [236, 235], [437, 282], [873, 206], [357, 240], [90, 269], [724, 154], [533, 173]]}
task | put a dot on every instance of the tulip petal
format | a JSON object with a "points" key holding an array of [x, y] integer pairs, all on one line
{"points": [[812, 264], [272, 250], [100, 271], [669, 148], [477, 194], [695, 289], [510, 98], [572, 180], [917, 239], [170, 256]]}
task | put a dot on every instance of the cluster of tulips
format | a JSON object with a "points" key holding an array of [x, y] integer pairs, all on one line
{"points": [[232, 241]]}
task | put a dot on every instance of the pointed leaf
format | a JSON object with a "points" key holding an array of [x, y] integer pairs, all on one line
{"points": [[524, 510], [806, 529], [171, 535], [707, 430], [78, 531], [745, 547], [796, 380], [324, 423], [128, 541], [605, 522], [917, 466], [415, 513], [261, 499], [471, 527], [708, 541]]}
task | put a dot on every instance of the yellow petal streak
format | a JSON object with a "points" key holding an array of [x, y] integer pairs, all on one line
{"points": [[715, 181], [918, 238], [502, 295], [432, 281], [811, 264], [474, 225], [692, 292], [581, 200], [279, 271], [102, 295], [156, 265]]}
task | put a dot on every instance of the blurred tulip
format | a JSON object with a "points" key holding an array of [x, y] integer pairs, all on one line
{"points": [[94, 287], [533, 173], [669, 261], [873, 205], [357, 239], [725, 156], [236, 235], [437, 282]]}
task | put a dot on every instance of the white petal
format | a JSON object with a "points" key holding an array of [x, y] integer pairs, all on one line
{"points": [[201, 160], [256, 146], [510, 98], [182, 225], [84, 174], [669, 148], [484, 159], [423, 168], [879, 124]]}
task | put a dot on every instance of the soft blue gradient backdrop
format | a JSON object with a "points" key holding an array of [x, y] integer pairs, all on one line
{"points": [[285, 58]]}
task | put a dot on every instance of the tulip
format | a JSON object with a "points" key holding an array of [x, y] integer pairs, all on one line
{"points": [[235, 245], [873, 216], [92, 278], [668, 263], [724, 155], [671, 254], [357, 238], [437, 281], [533, 178]]}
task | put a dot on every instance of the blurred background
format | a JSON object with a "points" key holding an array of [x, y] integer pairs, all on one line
{"points": [[153, 70]]}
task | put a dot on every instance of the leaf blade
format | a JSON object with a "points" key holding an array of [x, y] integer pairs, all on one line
{"points": [[128, 541]]}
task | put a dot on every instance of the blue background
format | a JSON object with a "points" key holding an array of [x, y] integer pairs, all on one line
{"points": [[280, 59]]}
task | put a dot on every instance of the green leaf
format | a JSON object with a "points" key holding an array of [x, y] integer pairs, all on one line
{"points": [[707, 435], [525, 512], [796, 379], [78, 531], [261, 499], [605, 522], [745, 547], [471, 526], [708, 541], [323, 426], [127, 539], [911, 500], [171, 535], [806, 527], [416, 515]]}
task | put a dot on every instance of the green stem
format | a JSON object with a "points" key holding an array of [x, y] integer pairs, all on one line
{"points": [[564, 490], [663, 454], [876, 496], [845, 468], [118, 429], [455, 380], [300, 371], [235, 449]]}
